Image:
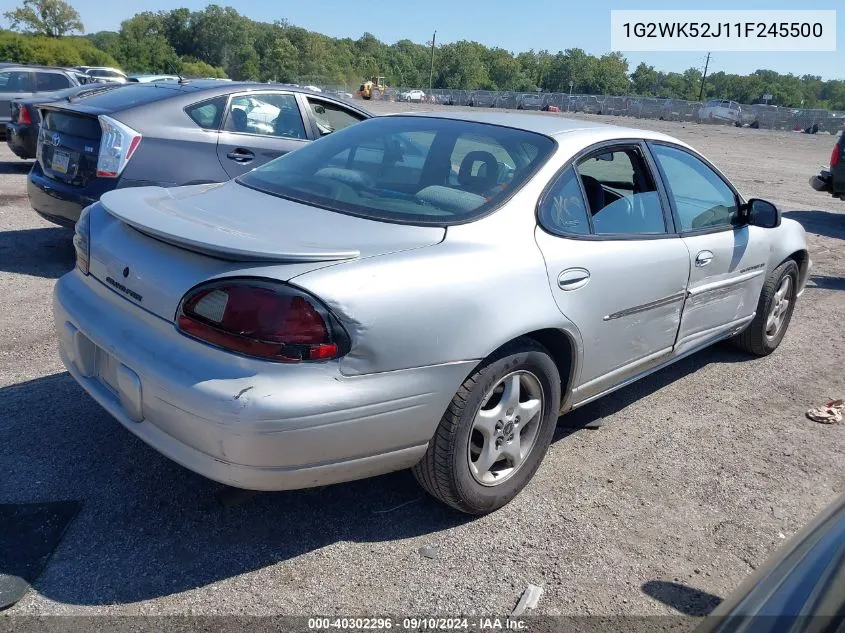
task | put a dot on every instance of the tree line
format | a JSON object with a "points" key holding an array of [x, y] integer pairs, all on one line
{"points": [[218, 41]]}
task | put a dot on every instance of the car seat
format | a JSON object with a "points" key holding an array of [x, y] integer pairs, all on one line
{"points": [[239, 120], [486, 176]]}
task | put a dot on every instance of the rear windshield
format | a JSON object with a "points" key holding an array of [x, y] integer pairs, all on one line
{"points": [[413, 170], [73, 124], [129, 96]]}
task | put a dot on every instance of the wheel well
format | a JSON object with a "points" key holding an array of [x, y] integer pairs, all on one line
{"points": [[562, 350], [801, 258]]}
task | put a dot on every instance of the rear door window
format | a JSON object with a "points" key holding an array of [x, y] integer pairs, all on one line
{"points": [[15, 81], [46, 82], [266, 114], [621, 193]]}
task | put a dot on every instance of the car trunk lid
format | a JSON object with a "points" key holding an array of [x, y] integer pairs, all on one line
{"points": [[68, 146], [155, 244]]}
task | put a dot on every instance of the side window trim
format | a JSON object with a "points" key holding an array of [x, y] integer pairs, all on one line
{"points": [[675, 215], [599, 148]]}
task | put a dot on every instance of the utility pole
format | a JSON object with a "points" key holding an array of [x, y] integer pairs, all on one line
{"points": [[704, 77], [431, 70]]}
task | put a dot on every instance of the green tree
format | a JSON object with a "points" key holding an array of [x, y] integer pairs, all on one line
{"points": [[52, 18], [280, 62], [644, 80], [195, 68], [461, 66], [143, 46]]}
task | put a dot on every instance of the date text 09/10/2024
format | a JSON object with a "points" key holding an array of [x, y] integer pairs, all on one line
{"points": [[418, 624]]}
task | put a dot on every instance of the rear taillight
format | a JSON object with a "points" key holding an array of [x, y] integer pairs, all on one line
{"points": [[117, 145], [24, 116], [834, 156], [82, 241], [262, 319]]}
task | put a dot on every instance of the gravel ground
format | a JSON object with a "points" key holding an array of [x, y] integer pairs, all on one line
{"points": [[693, 476]]}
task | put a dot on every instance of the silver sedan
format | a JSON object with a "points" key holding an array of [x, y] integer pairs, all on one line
{"points": [[418, 291]]}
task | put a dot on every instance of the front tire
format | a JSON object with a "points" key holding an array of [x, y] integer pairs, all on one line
{"points": [[495, 432], [774, 312]]}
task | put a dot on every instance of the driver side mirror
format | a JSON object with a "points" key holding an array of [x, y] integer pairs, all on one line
{"points": [[762, 213]]}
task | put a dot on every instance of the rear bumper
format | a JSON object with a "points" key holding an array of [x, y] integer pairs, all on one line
{"points": [[242, 422], [56, 201], [21, 139]]}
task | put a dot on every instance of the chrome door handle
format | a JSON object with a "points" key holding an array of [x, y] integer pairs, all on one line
{"points": [[703, 258], [573, 278]]}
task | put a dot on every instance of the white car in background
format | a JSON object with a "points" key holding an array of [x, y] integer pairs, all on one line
{"points": [[720, 110], [417, 96], [313, 88]]}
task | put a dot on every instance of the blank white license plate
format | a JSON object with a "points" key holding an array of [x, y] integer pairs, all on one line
{"points": [[60, 162], [107, 370]]}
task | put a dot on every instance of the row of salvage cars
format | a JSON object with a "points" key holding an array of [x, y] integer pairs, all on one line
{"points": [[423, 291]]}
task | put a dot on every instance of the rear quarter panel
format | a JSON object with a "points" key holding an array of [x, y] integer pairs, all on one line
{"points": [[483, 286], [174, 150]]}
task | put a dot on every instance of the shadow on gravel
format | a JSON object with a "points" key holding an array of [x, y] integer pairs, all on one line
{"points": [[591, 415], [827, 223], [45, 252], [685, 599], [826, 282], [15, 167], [149, 528]]}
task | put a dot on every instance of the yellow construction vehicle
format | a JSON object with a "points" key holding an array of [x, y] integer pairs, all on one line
{"points": [[368, 87]]}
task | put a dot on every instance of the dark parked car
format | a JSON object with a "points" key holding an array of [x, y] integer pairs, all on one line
{"points": [[801, 588], [482, 99], [529, 101], [22, 130], [22, 82], [170, 134], [832, 180]]}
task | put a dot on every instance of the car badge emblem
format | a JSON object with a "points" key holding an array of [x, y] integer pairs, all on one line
{"points": [[56, 140], [126, 271]]}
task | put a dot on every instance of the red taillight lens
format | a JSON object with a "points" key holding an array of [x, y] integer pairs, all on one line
{"points": [[24, 116], [834, 155], [262, 319]]}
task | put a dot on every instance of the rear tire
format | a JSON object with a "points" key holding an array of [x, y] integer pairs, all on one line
{"points": [[489, 444], [774, 312]]}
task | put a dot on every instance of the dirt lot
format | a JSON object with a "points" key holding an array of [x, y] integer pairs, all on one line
{"points": [[694, 476]]}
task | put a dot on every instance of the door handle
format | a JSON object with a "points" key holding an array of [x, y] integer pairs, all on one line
{"points": [[703, 258], [241, 155], [573, 278]]}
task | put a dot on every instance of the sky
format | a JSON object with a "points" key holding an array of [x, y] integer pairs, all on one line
{"points": [[516, 25]]}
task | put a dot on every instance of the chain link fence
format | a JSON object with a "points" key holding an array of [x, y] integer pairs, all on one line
{"points": [[722, 112]]}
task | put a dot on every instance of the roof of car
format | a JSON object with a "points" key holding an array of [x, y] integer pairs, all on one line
{"points": [[27, 67], [540, 123]]}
